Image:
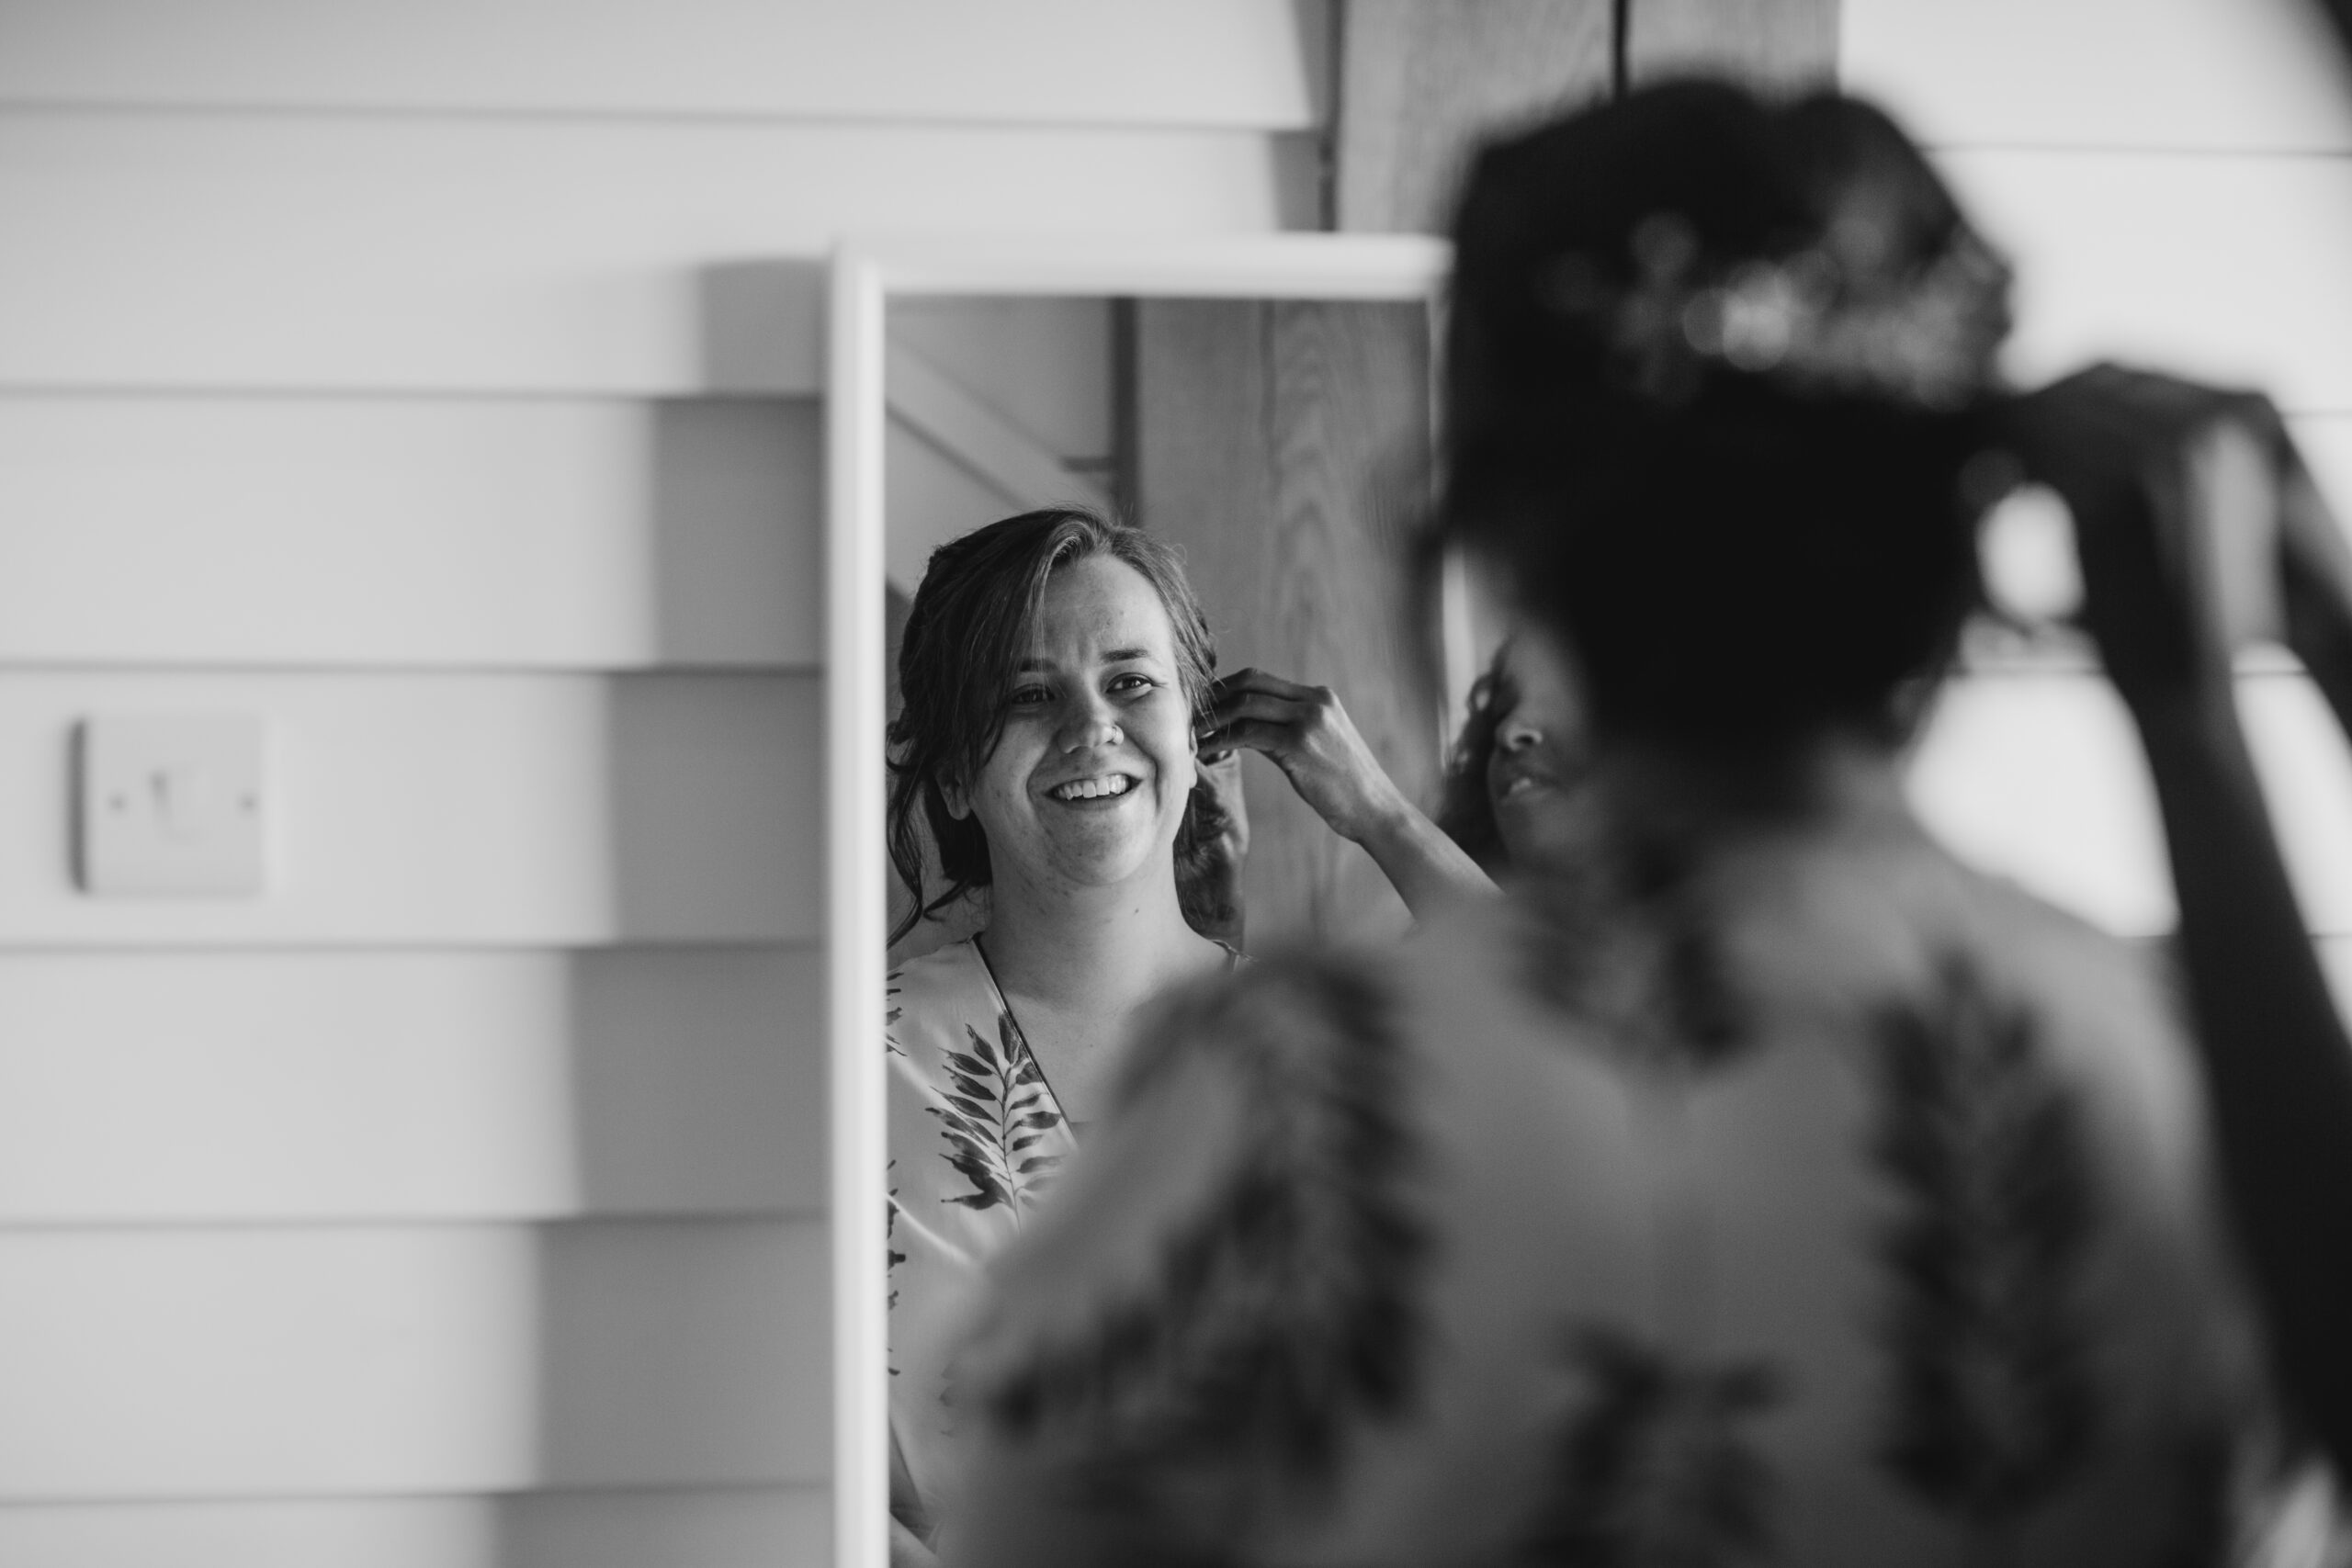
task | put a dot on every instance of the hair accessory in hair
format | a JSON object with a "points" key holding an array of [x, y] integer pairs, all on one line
{"points": [[1833, 316]]}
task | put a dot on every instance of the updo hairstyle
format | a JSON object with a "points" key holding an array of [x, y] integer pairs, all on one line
{"points": [[1715, 370], [966, 633]]}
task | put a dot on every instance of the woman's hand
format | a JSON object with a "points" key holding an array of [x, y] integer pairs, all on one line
{"points": [[2199, 527], [2173, 522], [1306, 732]]}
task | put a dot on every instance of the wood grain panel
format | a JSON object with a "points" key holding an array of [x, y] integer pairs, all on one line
{"points": [[1285, 447], [2236, 76], [1225, 63], [1422, 81], [283, 1362], [178, 1087], [517, 254], [2228, 267], [775, 1527], [499, 532], [1774, 44], [475, 810], [2039, 777]]}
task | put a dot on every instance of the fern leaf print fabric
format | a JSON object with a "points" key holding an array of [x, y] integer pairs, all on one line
{"points": [[975, 1138], [1810, 1200], [1000, 1122]]}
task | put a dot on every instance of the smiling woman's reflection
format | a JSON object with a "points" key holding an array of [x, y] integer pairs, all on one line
{"points": [[1056, 670]]}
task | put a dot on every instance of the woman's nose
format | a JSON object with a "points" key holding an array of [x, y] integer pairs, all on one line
{"points": [[1519, 736], [1092, 727]]}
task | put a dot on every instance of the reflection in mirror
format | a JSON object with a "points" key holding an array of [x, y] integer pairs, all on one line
{"points": [[997, 406], [1274, 456], [1281, 447]]}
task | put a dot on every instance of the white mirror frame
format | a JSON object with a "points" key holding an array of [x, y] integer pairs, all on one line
{"points": [[866, 275]]}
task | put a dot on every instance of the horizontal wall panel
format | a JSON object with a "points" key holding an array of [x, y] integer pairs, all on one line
{"points": [[451, 810], [733, 1528], [185, 1086], [2227, 267], [497, 255], [408, 531], [280, 1362], [2214, 74], [2039, 777], [1237, 63]]}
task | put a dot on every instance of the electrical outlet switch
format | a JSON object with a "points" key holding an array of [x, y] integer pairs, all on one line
{"points": [[170, 804]]}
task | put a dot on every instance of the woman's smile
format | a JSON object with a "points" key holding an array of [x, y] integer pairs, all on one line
{"points": [[1102, 789], [1091, 772]]}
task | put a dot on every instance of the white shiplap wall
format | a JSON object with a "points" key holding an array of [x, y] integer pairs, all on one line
{"points": [[436, 382], [2175, 180]]}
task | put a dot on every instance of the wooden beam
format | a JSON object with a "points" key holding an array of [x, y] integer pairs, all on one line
{"points": [[1421, 81], [1782, 45]]}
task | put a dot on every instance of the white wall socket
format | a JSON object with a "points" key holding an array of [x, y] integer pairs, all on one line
{"points": [[170, 804]]}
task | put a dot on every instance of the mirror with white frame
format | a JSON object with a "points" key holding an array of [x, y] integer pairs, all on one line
{"points": [[1264, 404]]}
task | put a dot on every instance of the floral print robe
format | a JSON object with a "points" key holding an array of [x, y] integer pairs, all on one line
{"points": [[1793, 1196], [975, 1136]]}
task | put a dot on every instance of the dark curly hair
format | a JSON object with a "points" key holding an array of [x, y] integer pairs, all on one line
{"points": [[965, 636], [1743, 528], [1465, 811]]}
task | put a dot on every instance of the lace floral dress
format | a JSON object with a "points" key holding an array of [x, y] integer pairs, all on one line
{"points": [[1797, 1197]]}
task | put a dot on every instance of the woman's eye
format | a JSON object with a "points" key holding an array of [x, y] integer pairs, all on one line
{"points": [[1030, 696], [1128, 685]]}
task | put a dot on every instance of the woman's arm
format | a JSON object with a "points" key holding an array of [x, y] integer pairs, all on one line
{"points": [[2133, 455], [1306, 733]]}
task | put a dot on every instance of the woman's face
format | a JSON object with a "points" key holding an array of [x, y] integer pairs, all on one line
{"points": [[1540, 746], [1089, 781]]}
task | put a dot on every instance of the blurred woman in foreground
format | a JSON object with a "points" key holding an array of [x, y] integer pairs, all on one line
{"points": [[1758, 1181]]}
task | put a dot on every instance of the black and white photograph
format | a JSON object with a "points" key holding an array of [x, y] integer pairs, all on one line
{"points": [[1176, 783]]}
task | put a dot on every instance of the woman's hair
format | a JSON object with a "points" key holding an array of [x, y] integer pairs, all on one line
{"points": [[1465, 811], [1716, 370], [966, 633]]}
